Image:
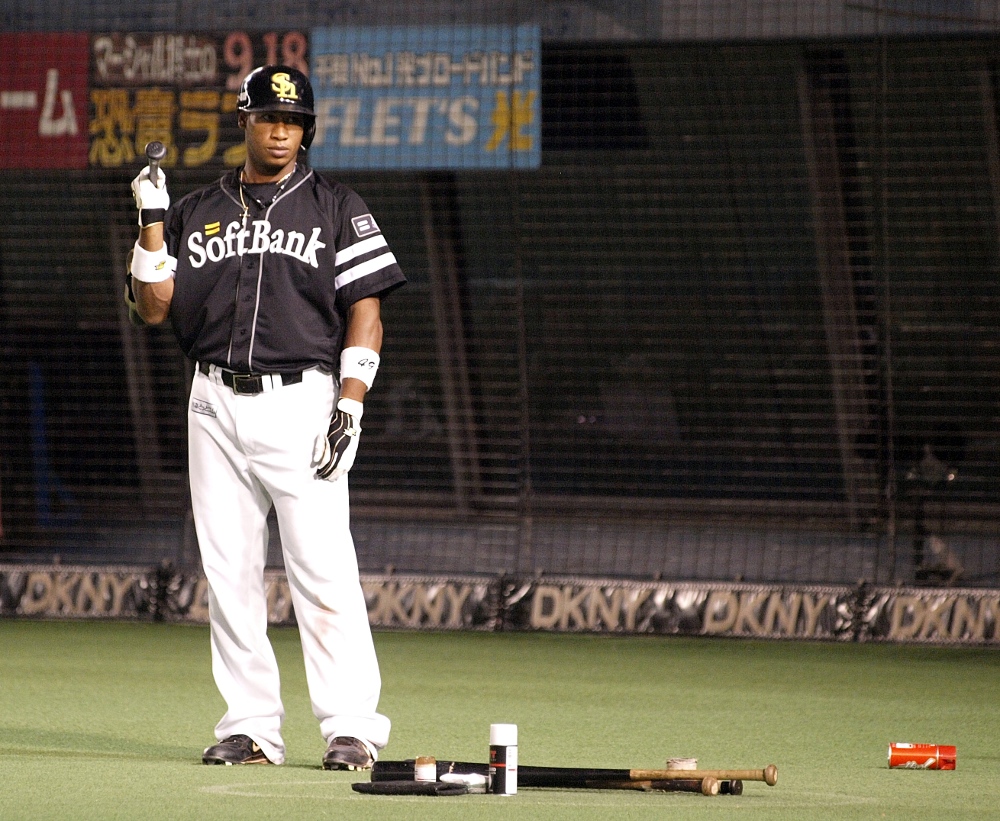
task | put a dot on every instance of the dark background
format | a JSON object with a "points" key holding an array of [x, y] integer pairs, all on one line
{"points": [[740, 324]]}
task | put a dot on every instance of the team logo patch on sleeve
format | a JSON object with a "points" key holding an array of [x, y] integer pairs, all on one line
{"points": [[364, 226]]}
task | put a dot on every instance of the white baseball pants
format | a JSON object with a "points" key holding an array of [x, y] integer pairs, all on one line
{"points": [[247, 453]]}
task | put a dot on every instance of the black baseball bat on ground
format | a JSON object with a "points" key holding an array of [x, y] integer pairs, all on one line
{"points": [[578, 777]]}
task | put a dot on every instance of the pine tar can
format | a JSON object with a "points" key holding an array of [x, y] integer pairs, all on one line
{"points": [[503, 759], [922, 756]]}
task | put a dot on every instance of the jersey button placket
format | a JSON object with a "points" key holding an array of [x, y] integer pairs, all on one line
{"points": [[245, 302]]}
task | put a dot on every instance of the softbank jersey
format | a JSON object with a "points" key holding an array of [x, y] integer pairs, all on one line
{"points": [[269, 292]]}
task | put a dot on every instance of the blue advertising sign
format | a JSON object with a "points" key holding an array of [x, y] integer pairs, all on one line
{"points": [[426, 97]]}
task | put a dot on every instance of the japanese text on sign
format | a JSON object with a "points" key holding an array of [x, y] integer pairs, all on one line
{"points": [[43, 100], [456, 97], [179, 89]]}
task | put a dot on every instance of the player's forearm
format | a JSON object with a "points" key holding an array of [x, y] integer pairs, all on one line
{"points": [[152, 299], [364, 325]]}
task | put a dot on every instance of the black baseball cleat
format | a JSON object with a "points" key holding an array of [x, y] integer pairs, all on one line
{"points": [[237, 749], [345, 753]]}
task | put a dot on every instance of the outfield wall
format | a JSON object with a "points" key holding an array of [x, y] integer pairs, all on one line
{"points": [[551, 604]]}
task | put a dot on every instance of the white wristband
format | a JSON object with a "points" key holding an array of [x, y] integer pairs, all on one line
{"points": [[359, 363], [351, 406], [151, 266]]}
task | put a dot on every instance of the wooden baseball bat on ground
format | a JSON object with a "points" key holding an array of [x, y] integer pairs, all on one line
{"points": [[580, 777], [706, 786], [769, 775]]}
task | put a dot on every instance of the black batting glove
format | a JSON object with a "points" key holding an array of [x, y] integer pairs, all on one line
{"points": [[335, 451]]}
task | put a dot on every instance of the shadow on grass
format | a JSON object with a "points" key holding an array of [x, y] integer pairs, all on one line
{"points": [[51, 744], [21, 741]]}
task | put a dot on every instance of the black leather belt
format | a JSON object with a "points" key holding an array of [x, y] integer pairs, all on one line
{"points": [[249, 384]]}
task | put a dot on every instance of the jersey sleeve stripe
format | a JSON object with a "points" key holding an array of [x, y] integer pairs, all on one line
{"points": [[363, 269], [364, 247]]}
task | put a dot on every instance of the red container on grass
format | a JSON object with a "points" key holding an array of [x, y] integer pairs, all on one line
{"points": [[922, 756]]}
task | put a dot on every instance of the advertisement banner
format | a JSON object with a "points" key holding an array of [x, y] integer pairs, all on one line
{"points": [[427, 97], [179, 89], [43, 100], [546, 604], [708, 609]]}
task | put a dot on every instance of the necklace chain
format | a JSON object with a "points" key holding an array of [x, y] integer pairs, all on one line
{"points": [[243, 202], [281, 187]]}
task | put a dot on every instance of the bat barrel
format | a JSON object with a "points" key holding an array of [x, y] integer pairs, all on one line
{"points": [[527, 776], [769, 775]]}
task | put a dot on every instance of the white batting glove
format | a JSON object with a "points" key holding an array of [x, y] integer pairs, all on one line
{"points": [[335, 450], [150, 196]]}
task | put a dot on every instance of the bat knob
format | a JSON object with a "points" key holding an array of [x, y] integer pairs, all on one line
{"points": [[710, 786], [770, 775], [155, 151]]}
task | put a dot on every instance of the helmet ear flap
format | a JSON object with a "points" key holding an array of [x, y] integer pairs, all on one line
{"points": [[309, 133]]}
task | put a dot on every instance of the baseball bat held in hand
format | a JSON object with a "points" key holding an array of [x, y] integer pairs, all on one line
{"points": [[155, 151]]}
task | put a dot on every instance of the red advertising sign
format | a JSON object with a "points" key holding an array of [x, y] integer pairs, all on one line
{"points": [[44, 100]]}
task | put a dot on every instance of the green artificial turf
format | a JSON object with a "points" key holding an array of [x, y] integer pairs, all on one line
{"points": [[102, 720]]}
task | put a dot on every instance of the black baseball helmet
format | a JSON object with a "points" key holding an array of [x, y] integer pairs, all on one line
{"points": [[279, 88]]}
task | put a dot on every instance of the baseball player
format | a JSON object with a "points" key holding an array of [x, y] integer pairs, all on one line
{"points": [[272, 279]]}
